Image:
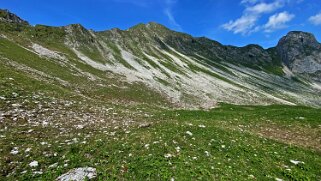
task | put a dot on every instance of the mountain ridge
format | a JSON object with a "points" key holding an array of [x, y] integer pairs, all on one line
{"points": [[187, 71]]}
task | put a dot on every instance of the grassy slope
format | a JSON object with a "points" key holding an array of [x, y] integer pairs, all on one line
{"points": [[132, 92], [229, 146], [237, 142]]}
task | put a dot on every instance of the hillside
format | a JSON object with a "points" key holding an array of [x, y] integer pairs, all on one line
{"points": [[149, 103], [168, 66]]}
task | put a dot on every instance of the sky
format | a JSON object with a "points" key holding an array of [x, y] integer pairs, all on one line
{"points": [[231, 22]]}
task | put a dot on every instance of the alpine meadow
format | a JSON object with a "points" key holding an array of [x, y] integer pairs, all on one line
{"points": [[151, 103]]}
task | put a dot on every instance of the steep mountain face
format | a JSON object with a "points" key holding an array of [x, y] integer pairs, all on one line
{"points": [[7, 16], [301, 52], [150, 63]]}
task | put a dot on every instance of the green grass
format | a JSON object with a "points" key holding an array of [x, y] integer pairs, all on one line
{"points": [[131, 93], [227, 148], [227, 143], [117, 54]]}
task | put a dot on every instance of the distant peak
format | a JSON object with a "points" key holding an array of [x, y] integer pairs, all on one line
{"points": [[300, 37], [7, 16], [253, 46], [300, 34], [154, 25], [77, 25], [150, 26]]}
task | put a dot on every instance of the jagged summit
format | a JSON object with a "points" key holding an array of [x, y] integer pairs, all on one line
{"points": [[7, 16], [299, 38], [300, 51]]}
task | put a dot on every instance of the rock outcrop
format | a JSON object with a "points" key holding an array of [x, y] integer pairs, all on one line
{"points": [[9, 17], [301, 52]]}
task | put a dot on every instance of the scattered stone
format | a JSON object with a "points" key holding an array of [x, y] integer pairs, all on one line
{"points": [[168, 155], [37, 172], [178, 149], [189, 133], [295, 162], [300, 118], [15, 105], [79, 126], [14, 151], [53, 165], [33, 164], [144, 125], [202, 126], [78, 174]]}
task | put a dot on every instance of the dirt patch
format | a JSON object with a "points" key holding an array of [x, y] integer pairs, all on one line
{"points": [[300, 136]]}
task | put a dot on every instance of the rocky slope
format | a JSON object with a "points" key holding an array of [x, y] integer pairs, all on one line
{"points": [[301, 52], [152, 64]]}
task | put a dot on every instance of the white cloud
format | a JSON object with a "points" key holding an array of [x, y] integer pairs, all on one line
{"points": [[264, 7], [168, 12], [171, 18], [249, 1], [278, 21], [316, 19], [247, 23], [243, 25]]}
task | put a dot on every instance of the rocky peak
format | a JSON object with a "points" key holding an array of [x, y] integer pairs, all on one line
{"points": [[75, 27], [154, 25], [299, 39], [151, 28], [7, 16], [300, 51]]}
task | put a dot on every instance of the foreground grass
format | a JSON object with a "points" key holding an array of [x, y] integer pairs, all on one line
{"points": [[226, 143]]}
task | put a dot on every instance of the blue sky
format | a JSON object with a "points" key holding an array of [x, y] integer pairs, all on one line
{"points": [[233, 22]]}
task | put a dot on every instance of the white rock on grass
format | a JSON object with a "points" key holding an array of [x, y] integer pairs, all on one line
{"points": [[189, 133], [295, 162], [79, 126], [53, 165], [33, 164], [14, 151], [168, 155], [178, 149], [202, 126], [78, 174]]}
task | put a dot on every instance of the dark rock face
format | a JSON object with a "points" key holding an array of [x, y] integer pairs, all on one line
{"points": [[301, 52], [9, 17]]}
